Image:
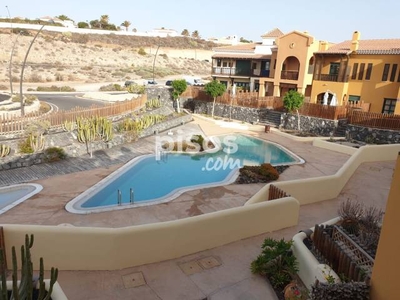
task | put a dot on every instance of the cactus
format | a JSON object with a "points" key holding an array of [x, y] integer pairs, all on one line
{"points": [[153, 103], [25, 288], [86, 133], [36, 142], [69, 126], [90, 129], [4, 150]]}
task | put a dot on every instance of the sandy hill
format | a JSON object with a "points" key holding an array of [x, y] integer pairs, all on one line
{"points": [[100, 58]]}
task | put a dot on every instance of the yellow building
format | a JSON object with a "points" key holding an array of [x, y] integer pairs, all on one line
{"points": [[245, 64], [359, 70], [292, 65], [384, 282]]}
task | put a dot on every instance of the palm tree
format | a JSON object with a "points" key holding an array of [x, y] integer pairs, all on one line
{"points": [[126, 24], [185, 32], [195, 34], [104, 20]]}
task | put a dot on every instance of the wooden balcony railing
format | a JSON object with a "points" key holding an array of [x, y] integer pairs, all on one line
{"points": [[234, 71], [331, 77], [290, 75]]}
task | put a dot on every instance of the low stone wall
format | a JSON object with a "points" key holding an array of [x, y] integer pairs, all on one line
{"points": [[321, 127], [68, 141], [372, 135], [246, 114], [166, 125]]}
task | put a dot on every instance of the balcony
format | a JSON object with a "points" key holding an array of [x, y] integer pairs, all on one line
{"points": [[331, 77], [228, 71], [290, 75]]}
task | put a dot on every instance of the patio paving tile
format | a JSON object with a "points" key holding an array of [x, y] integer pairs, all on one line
{"points": [[209, 262], [133, 280], [191, 267]]}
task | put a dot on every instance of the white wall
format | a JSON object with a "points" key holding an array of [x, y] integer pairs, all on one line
{"points": [[82, 30]]}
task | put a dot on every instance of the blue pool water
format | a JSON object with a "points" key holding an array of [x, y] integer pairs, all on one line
{"points": [[152, 179]]}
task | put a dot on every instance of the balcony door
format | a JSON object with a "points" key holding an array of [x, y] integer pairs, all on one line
{"points": [[334, 69], [265, 66]]}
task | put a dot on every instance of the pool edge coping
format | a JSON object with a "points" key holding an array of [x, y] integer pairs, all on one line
{"points": [[37, 189], [71, 205]]}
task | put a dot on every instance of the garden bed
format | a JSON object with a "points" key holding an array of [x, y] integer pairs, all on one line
{"points": [[259, 174]]}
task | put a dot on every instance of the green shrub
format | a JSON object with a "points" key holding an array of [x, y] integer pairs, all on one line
{"points": [[38, 127], [54, 154], [111, 87], [55, 88], [277, 262], [25, 146], [136, 89], [340, 291], [141, 51], [153, 103], [29, 99], [199, 140]]}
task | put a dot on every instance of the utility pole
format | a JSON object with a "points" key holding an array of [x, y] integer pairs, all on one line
{"points": [[22, 72]]}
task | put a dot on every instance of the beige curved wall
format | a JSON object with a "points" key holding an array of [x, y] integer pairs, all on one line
{"points": [[310, 269], [328, 187], [72, 248]]}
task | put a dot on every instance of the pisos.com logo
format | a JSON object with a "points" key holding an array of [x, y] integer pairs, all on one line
{"points": [[223, 148]]}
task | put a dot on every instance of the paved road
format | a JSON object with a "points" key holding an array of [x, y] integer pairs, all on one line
{"points": [[4, 97], [67, 101]]}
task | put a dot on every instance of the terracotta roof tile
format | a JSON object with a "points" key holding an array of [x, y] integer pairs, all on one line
{"points": [[383, 46], [274, 33]]}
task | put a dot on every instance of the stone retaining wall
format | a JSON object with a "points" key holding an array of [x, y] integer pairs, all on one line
{"points": [[321, 127], [162, 93], [246, 114], [372, 135]]}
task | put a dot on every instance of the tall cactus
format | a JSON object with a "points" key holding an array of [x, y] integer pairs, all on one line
{"points": [[69, 126], [91, 129], [25, 288], [36, 142], [86, 133], [4, 150]]}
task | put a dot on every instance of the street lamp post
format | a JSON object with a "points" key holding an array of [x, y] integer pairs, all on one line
{"points": [[22, 72], [12, 52], [154, 61]]}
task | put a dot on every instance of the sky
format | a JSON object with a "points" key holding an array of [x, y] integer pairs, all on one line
{"points": [[331, 20]]}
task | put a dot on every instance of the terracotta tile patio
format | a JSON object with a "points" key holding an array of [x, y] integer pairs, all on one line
{"points": [[224, 271]]}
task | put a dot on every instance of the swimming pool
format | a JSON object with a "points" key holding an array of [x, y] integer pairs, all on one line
{"points": [[147, 180], [13, 195]]}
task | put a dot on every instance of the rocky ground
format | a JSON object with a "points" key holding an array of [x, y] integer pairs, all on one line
{"points": [[64, 58]]}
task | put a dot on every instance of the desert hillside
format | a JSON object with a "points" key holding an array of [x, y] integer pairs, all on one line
{"points": [[70, 57]]}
